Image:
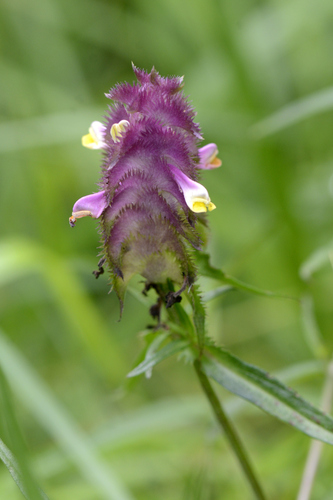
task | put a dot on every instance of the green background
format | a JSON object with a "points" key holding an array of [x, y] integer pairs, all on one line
{"points": [[259, 74]]}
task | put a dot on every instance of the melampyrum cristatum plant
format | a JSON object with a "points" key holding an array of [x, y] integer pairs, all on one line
{"points": [[152, 212]]}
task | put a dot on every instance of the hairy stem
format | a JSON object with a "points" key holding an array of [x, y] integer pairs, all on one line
{"points": [[229, 431]]}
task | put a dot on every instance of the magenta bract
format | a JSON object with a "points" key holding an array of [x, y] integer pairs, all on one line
{"points": [[149, 197]]}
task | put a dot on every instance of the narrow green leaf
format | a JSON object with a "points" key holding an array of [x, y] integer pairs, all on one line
{"points": [[166, 351], [36, 396], [178, 316], [8, 459], [179, 329], [206, 269], [153, 348], [153, 341], [260, 388]]}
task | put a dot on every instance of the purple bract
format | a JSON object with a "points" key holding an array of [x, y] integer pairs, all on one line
{"points": [[149, 194]]}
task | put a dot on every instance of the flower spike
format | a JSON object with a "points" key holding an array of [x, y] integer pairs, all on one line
{"points": [[149, 197], [95, 138]]}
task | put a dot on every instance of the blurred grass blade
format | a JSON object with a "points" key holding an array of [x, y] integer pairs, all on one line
{"points": [[164, 353], [20, 466], [293, 113], [40, 23], [217, 292], [301, 371], [47, 130], [311, 329], [166, 416], [145, 301], [8, 459], [260, 388], [205, 268], [20, 257], [318, 259], [98, 19], [38, 399]]}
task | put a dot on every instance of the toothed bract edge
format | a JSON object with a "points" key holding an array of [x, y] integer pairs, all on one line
{"points": [[150, 199]]}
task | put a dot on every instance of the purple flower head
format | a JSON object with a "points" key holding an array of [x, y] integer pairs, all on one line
{"points": [[149, 197]]}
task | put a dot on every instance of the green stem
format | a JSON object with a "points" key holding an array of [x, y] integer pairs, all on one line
{"points": [[229, 431]]}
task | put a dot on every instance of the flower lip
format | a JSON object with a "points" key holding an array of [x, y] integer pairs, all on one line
{"points": [[195, 194], [207, 156], [118, 129], [91, 205], [95, 138]]}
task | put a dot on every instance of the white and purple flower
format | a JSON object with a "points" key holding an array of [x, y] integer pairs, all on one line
{"points": [[95, 138], [207, 156]]}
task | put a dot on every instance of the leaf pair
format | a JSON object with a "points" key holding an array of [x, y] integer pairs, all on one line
{"points": [[252, 384]]}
